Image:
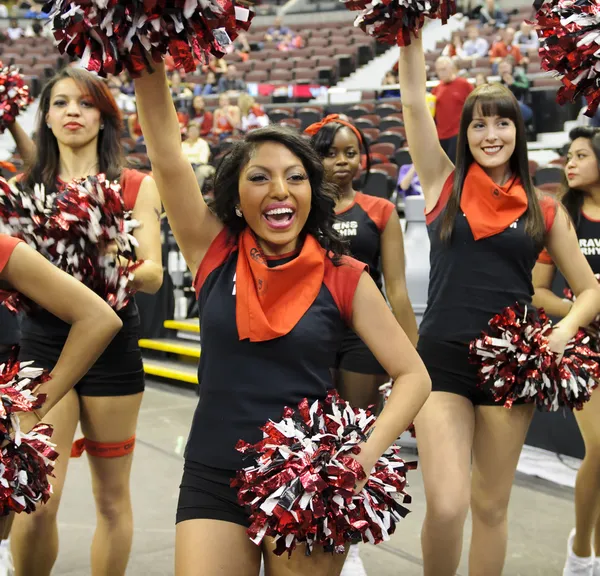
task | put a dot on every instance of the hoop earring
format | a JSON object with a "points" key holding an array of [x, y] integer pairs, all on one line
{"points": [[238, 212], [101, 126], [49, 127]]}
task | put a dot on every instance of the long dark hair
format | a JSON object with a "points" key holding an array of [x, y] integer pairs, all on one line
{"points": [[572, 198], [494, 100], [110, 154], [321, 216], [322, 142]]}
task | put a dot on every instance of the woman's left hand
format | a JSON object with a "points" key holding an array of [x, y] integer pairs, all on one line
{"points": [[367, 464], [558, 339]]}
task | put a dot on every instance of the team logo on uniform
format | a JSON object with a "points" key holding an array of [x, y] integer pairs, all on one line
{"points": [[234, 285], [514, 224], [346, 228], [256, 255]]}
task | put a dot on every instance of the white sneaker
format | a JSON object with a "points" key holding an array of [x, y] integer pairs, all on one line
{"points": [[575, 565], [6, 561], [353, 565]]}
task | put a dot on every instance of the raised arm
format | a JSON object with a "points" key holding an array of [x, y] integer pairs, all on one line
{"points": [[193, 225], [25, 145], [431, 162], [93, 323]]}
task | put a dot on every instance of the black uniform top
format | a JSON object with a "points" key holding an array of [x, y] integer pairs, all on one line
{"points": [[243, 383], [40, 322], [362, 223], [471, 281]]}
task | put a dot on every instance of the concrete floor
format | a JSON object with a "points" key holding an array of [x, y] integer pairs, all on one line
{"points": [[541, 514]]}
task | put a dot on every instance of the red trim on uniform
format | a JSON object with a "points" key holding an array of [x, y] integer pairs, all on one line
{"points": [[131, 181], [7, 246], [545, 258], [378, 210], [282, 256], [218, 251], [102, 449], [589, 218], [344, 210], [342, 281], [442, 200], [549, 207]]}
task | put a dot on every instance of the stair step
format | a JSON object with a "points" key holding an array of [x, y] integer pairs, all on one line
{"points": [[171, 370], [189, 325], [172, 345]]}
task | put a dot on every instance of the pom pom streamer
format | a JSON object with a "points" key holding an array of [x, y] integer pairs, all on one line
{"points": [[26, 459], [14, 95], [71, 228], [110, 35], [516, 362], [300, 487], [569, 34], [395, 21]]}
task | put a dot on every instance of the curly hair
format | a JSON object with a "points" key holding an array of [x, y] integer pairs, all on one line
{"points": [[321, 216], [322, 142]]}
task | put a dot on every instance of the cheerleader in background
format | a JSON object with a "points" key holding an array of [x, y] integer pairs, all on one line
{"points": [[92, 326], [487, 227], [78, 135], [581, 198], [274, 296]]}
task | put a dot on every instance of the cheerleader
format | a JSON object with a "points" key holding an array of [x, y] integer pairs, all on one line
{"points": [[78, 135], [487, 226], [581, 198], [372, 227], [275, 294]]}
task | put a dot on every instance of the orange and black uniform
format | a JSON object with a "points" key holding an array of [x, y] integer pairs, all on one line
{"points": [[246, 381], [362, 224], [471, 281], [119, 370]]}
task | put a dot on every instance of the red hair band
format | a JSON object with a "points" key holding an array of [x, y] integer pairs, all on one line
{"points": [[316, 127]]}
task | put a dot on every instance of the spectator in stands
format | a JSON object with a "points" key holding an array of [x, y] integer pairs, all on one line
{"points": [[290, 42], [126, 83], [178, 88], [518, 84], [3, 11], [277, 32], [226, 118], [450, 93], [252, 114], [505, 47], [14, 31], [490, 16], [526, 39], [202, 117], [209, 87], [197, 151], [480, 79], [391, 79], [408, 181], [217, 66], [231, 82], [475, 46], [125, 102], [454, 48]]}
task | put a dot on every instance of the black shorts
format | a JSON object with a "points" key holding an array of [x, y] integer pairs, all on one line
{"points": [[118, 372], [450, 371], [205, 493], [355, 356]]}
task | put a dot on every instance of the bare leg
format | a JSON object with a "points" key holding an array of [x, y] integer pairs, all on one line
{"points": [[361, 390], [444, 429], [319, 563], [111, 419], [499, 437], [34, 539]]}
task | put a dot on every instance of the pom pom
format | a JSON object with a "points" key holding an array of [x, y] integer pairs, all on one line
{"points": [[14, 95], [110, 35], [26, 459], [300, 488], [72, 229], [569, 34], [396, 21], [516, 362]]}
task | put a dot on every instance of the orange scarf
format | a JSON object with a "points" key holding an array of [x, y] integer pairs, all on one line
{"points": [[488, 207], [271, 301]]}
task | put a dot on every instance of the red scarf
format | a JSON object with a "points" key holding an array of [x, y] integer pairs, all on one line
{"points": [[488, 207], [271, 301]]}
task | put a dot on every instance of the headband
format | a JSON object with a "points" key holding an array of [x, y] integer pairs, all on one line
{"points": [[316, 127]]}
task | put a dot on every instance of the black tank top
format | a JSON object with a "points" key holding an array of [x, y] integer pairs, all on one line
{"points": [[471, 281]]}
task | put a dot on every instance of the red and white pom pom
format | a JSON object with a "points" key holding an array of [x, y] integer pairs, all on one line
{"points": [[26, 458], [569, 34], [300, 487], [396, 21], [110, 35], [14, 95], [71, 228], [593, 330], [516, 362]]}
